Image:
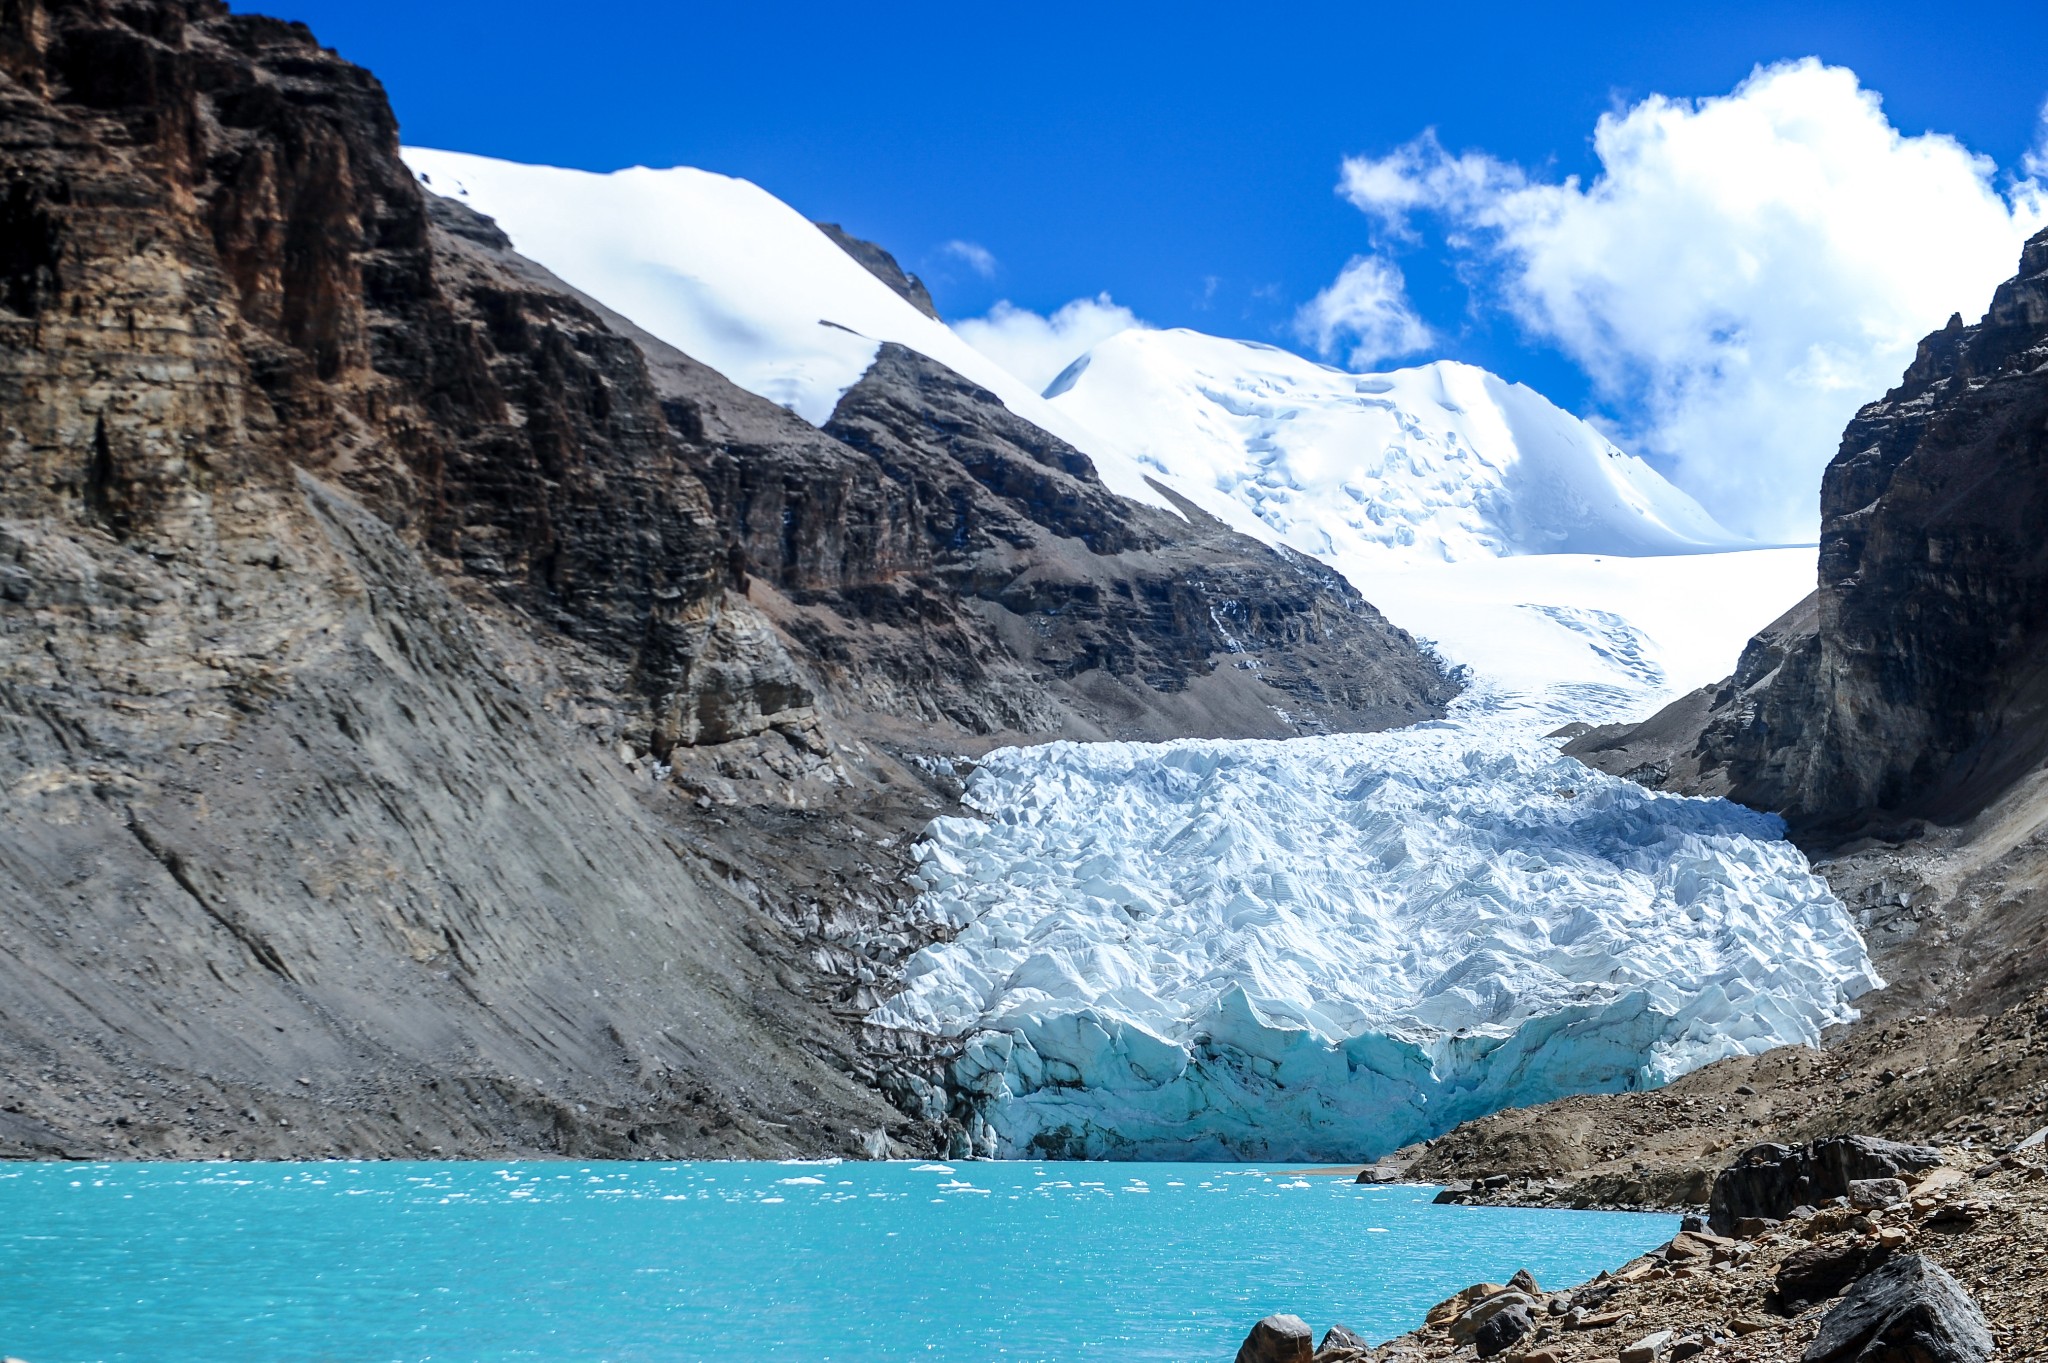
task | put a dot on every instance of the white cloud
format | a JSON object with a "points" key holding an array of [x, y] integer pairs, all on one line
{"points": [[1743, 273], [977, 258], [1037, 348], [2034, 164], [1368, 306]]}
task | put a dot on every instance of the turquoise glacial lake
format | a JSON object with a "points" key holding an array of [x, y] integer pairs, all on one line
{"points": [[702, 1263]]}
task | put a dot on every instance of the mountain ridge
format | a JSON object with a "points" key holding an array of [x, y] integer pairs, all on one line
{"points": [[412, 743]]}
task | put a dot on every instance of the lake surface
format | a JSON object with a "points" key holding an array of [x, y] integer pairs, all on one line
{"points": [[702, 1263]]}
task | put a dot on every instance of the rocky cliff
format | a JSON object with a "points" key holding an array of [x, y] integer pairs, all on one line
{"points": [[883, 266], [434, 715], [1899, 718]]}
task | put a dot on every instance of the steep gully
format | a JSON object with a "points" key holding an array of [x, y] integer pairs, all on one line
{"points": [[436, 718]]}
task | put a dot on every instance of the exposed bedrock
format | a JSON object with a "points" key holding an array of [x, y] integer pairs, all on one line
{"points": [[1899, 717], [1771, 1180], [433, 714]]}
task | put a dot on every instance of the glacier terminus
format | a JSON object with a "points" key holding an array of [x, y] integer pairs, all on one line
{"points": [[1322, 947]]}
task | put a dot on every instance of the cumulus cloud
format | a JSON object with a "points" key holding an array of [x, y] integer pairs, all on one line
{"points": [[1036, 348], [1366, 306], [1741, 275], [2034, 165], [977, 258]]}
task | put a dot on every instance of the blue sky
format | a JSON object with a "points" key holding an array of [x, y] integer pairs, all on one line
{"points": [[1182, 157]]}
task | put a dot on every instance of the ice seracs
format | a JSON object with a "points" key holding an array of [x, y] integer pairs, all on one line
{"points": [[1326, 948]]}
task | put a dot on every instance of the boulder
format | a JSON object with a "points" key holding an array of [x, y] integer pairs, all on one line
{"points": [[1957, 1215], [1648, 1349], [1466, 1327], [1525, 1281], [1820, 1271], [1771, 1181], [1694, 1247], [1450, 1308], [1278, 1339], [1873, 1194], [1908, 1310], [1936, 1181], [1502, 1330], [1342, 1345]]}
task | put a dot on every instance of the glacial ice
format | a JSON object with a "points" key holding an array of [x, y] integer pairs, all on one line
{"points": [[1329, 946], [1326, 948]]}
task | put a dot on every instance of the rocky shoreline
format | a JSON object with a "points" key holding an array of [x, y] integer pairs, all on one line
{"points": [[1938, 1255]]}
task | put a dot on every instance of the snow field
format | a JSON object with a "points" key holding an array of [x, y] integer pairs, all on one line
{"points": [[1440, 463], [734, 278]]}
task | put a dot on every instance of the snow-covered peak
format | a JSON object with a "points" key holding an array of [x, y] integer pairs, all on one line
{"points": [[1442, 462], [733, 277]]}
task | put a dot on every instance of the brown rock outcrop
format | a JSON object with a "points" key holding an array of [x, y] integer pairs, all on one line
{"points": [[1899, 717], [435, 717], [882, 265], [1915, 684], [297, 851]]}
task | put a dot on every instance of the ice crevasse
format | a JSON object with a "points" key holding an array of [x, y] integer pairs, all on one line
{"points": [[1329, 948]]}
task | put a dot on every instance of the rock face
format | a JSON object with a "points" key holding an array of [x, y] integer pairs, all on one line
{"points": [[1116, 612], [879, 263], [420, 701], [1915, 684], [1898, 718], [1907, 1311], [1771, 1180], [314, 531]]}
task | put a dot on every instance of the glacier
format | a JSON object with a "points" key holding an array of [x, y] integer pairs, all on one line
{"points": [[1327, 948]]}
